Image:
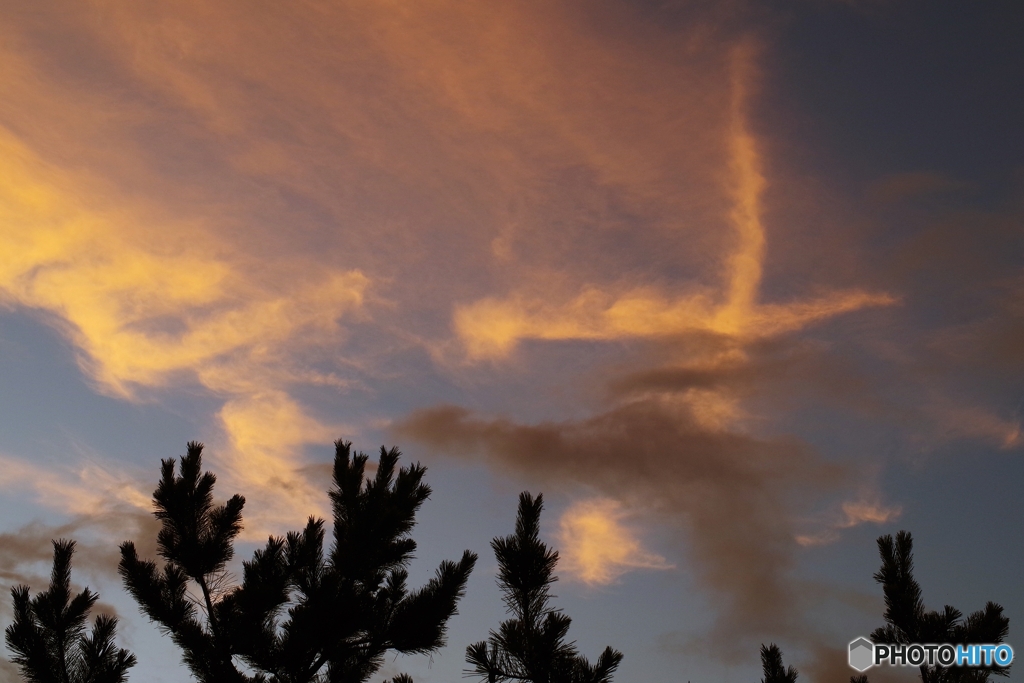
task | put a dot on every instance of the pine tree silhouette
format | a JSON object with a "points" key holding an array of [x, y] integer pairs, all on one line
{"points": [[48, 635], [771, 664], [531, 646], [906, 620], [299, 615]]}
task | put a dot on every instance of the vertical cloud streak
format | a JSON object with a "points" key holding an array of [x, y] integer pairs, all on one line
{"points": [[491, 328]]}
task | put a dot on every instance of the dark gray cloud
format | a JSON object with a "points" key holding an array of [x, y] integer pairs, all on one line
{"points": [[26, 554], [735, 494]]}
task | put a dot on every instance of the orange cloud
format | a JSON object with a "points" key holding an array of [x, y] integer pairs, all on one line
{"points": [[957, 422], [145, 305], [205, 200], [491, 328], [103, 505], [89, 490], [595, 545], [267, 431], [854, 513], [858, 512]]}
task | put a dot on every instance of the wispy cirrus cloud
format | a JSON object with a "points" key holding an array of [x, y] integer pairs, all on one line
{"points": [[260, 204], [852, 513], [678, 437], [102, 505], [195, 199], [492, 327], [149, 302]]}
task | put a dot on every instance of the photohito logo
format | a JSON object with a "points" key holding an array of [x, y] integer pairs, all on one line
{"points": [[864, 654]]}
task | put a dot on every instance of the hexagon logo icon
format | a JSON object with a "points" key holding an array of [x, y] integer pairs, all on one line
{"points": [[862, 654]]}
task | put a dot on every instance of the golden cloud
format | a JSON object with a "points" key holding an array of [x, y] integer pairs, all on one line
{"points": [[854, 513], [597, 547], [146, 300], [184, 185], [89, 489], [491, 328]]}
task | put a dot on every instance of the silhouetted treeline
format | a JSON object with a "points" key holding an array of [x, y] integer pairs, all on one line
{"points": [[302, 613]]}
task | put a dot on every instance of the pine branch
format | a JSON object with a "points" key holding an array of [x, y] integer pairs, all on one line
{"points": [[531, 646], [48, 636], [298, 616], [774, 670], [904, 609], [908, 622]]}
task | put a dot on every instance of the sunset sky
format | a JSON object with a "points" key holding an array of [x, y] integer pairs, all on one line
{"points": [[738, 285]]}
